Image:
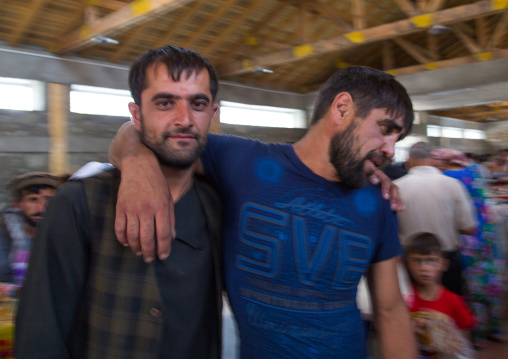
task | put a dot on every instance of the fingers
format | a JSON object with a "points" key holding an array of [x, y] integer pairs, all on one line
{"points": [[132, 233], [146, 237], [120, 223], [389, 190], [396, 203], [165, 234]]}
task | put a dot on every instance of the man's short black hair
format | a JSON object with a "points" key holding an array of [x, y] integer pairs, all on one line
{"points": [[177, 60], [370, 89]]}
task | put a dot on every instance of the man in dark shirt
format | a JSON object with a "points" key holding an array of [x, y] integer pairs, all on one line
{"points": [[87, 296]]}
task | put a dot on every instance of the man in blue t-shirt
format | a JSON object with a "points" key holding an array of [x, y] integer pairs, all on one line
{"points": [[301, 223]]}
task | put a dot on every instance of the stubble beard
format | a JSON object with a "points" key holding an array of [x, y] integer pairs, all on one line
{"points": [[169, 156]]}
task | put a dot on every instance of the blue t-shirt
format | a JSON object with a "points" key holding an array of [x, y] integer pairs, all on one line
{"points": [[295, 247]]}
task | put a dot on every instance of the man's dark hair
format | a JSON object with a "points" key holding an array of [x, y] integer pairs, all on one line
{"points": [[31, 189], [177, 60], [370, 89], [423, 243], [420, 151]]}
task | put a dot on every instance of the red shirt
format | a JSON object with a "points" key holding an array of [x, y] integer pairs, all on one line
{"points": [[448, 303]]}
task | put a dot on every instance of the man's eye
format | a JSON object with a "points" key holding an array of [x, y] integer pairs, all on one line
{"points": [[199, 105]]}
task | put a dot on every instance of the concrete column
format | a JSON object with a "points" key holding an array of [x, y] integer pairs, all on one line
{"points": [[58, 118]]}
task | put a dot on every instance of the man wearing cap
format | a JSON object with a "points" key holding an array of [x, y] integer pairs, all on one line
{"points": [[29, 193]]}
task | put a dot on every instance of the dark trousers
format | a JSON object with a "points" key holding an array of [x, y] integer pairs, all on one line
{"points": [[452, 278]]}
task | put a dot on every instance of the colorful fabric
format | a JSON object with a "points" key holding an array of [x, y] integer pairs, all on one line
{"points": [[295, 248], [484, 264]]}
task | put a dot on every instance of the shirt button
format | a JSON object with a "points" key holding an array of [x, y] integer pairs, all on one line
{"points": [[156, 313]]}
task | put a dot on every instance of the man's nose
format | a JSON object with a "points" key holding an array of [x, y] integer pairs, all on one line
{"points": [[41, 205], [389, 147], [183, 116]]}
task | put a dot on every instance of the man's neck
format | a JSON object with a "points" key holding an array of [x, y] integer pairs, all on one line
{"points": [[313, 151], [29, 230], [179, 180]]}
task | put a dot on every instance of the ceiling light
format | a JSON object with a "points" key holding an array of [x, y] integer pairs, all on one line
{"points": [[261, 70], [437, 29], [104, 40]]}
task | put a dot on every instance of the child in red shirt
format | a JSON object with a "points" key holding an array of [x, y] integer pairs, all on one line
{"points": [[437, 313]]}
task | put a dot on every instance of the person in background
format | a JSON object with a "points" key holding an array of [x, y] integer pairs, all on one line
{"points": [[301, 222], [425, 263], [481, 253], [437, 204], [394, 170], [86, 295], [30, 193]]}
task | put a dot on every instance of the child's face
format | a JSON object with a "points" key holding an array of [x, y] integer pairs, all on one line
{"points": [[426, 269]]}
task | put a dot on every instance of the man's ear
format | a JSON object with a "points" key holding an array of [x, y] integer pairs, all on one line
{"points": [[342, 109], [135, 115]]}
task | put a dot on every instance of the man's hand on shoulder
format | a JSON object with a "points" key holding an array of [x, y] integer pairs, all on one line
{"points": [[389, 189]]}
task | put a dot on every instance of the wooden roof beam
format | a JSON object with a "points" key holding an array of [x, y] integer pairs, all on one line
{"points": [[210, 19], [129, 15], [433, 46], [358, 12], [25, 21], [468, 41], [231, 27], [407, 7], [332, 14], [499, 31], [414, 51], [252, 38], [122, 49], [481, 32], [113, 5], [435, 5], [370, 35], [388, 58], [443, 64], [304, 21], [166, 38]]}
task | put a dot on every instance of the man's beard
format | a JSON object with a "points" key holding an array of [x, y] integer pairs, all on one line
{"points": [[170, 157], [350, 169], [30, 221]]}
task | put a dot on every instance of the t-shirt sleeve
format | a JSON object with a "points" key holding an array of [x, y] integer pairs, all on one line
{"points": [[463, 316], [388, 245], [219, 159]]}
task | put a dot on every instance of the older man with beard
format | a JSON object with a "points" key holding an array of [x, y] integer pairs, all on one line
{"points": [[30, 194], [301, 223]]}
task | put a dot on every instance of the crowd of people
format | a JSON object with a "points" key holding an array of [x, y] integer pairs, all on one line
{"points": [[132, 260]]}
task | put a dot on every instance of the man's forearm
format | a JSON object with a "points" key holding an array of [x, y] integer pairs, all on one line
{"points": [[127, 145], [396, 337]]}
